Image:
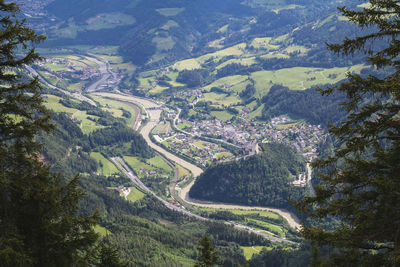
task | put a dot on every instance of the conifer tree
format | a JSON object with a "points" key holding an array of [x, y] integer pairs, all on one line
{"points": [[208, 254], [39, 225], [360, 183]]}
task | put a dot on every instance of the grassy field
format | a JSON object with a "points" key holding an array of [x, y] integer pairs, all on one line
{"points": [[164, 43], [199, 144], [155, 163], [263, 43], [182, 172], [183, 126], [51, 102], [170, 24], [136, 164], [170, 12], [256, 113], [135, 195], [227, 82], [56, 67], [268, 226], [114, 107], [275, 55], [76, 86], [87, 126], [300, 78], [102, 231], [223, 155], [223, 29], [108, 167], [250, 251], [160, 163], [109, 21], [262, 213], [162, 128], [222, 115], [157, 90], [242, 61], [187, 64], [221, 99], [101, 21], [195, 63], [236, 50]]}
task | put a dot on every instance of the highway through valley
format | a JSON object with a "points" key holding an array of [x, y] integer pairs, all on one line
{"points": [[153, 111]]}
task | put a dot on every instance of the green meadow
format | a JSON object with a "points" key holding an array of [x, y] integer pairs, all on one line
{"points": [[135, 195], [108, 168]]}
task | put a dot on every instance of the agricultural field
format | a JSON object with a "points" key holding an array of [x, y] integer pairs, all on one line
{"points": [[256, 113], [250, 251], [157, 90], [160, 163], [145, 167], [221, 100], [84, 121], [227, 82], [262, 213], [107, 168], [262, 225], [99, 22], [116, 108], [300, 78], [222, 115], [248, 61], [135, 195], [162, 128], [109, 21]]}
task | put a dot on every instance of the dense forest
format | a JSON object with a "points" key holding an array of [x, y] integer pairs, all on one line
{"points": [[196, 23], [263, 179], [308, 104], [145, 232]]}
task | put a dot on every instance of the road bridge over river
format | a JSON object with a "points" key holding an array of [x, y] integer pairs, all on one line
{"points": [[154, 113]]}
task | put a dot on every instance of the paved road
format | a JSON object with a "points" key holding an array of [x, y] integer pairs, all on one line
{"points": [[309, 176], [120, 163], [105, 73], [154, 116], [194, 135], [78, 96]]}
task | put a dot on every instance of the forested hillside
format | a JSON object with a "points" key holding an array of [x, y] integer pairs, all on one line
{"points": [[262, 179], [159, 32], [145, 232]]}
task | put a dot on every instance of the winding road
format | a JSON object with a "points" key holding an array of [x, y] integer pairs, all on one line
{"points": [[154, 112], [78, 96]]}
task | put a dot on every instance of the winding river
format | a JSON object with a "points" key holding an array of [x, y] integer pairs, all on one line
{"points": [[153, 111]]}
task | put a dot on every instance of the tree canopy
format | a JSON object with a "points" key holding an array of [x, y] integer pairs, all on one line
{"points": [[360, 182], [39, 224], [208, 254]]}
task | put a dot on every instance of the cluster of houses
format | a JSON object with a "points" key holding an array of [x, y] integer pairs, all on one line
{"points": [[301, 136], [203, 152]]}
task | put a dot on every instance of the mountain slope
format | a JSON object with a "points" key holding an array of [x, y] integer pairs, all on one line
{"points": [[263, 179], [157, 32]]}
